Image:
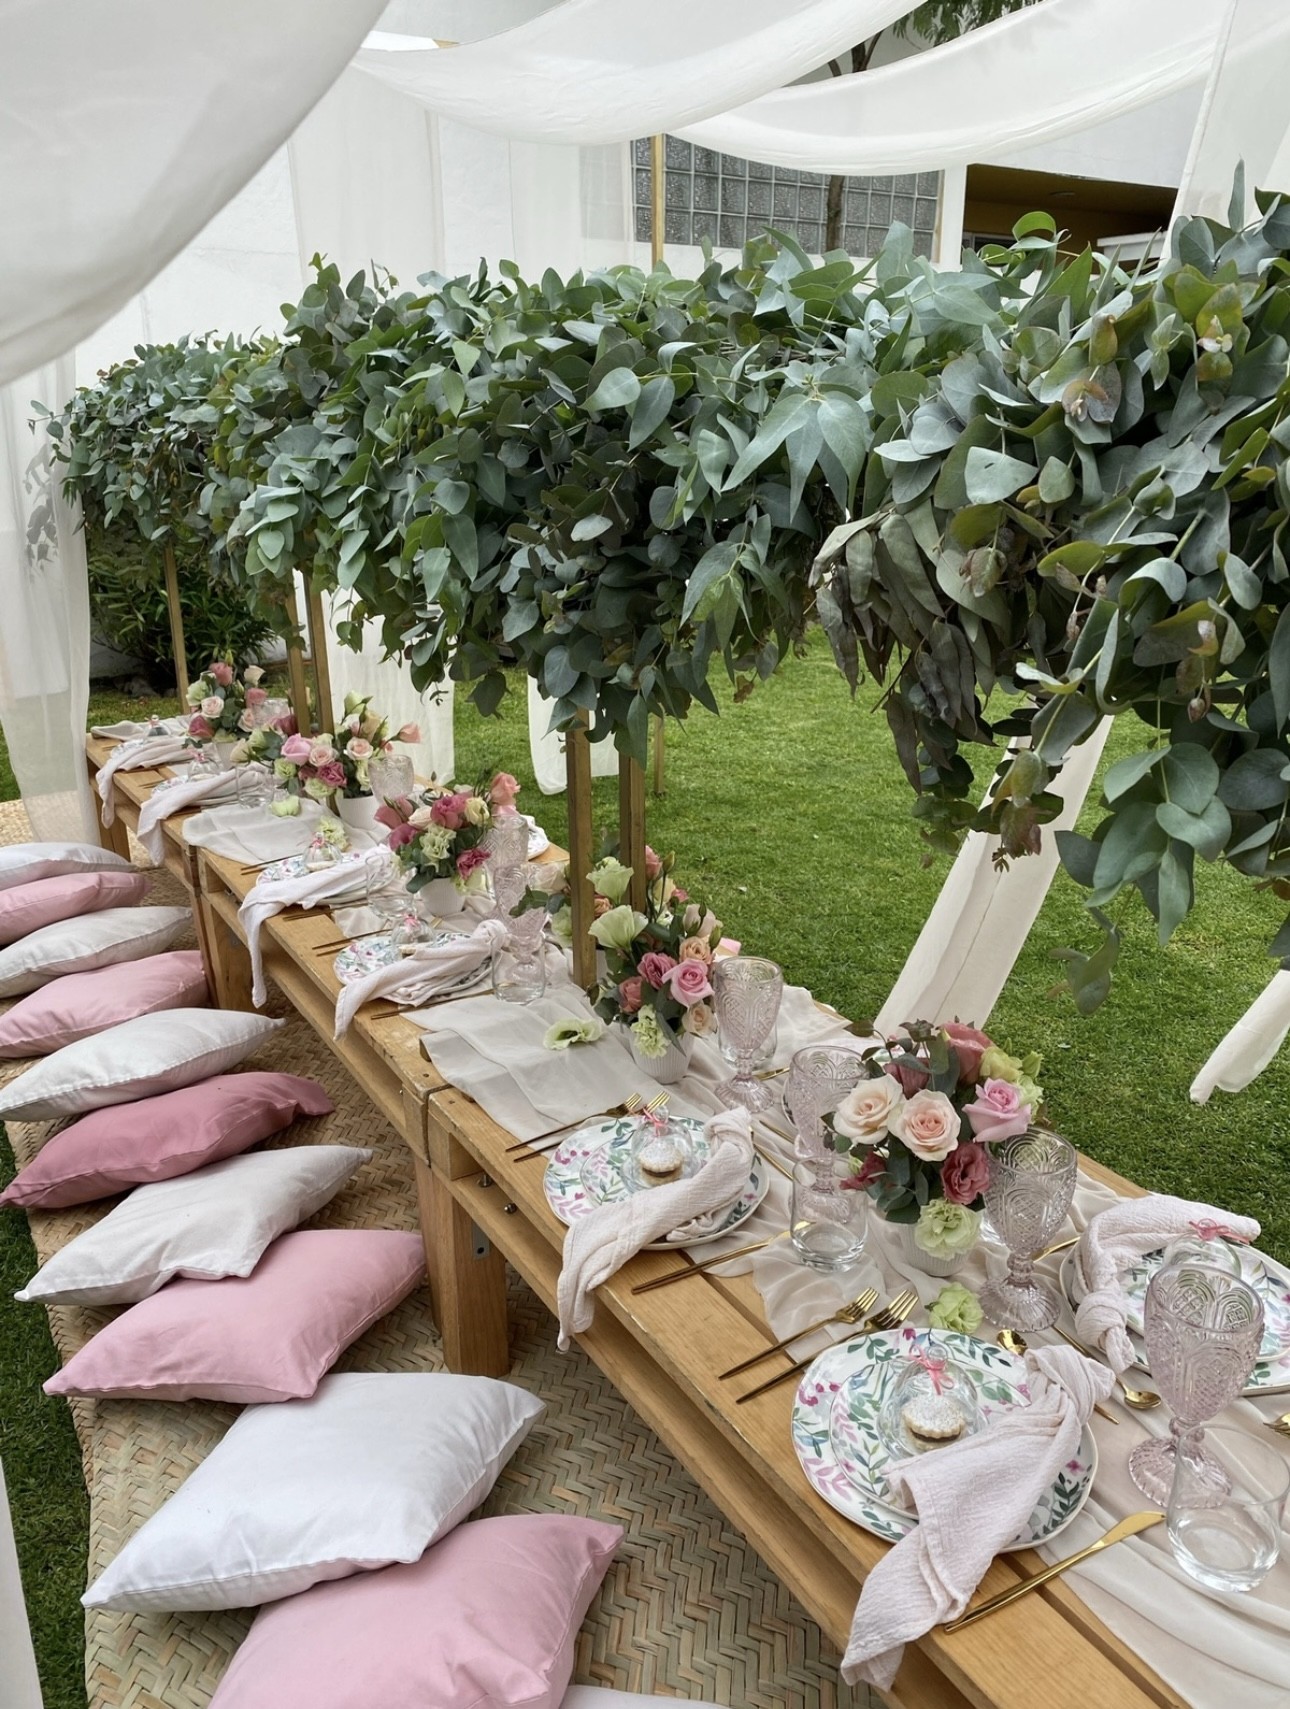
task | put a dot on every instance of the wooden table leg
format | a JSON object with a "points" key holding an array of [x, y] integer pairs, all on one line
{"points": [[114, 836], [225, 957], [467, 1281]]}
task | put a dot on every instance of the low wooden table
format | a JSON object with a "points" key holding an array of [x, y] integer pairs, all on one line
{"points": [[481, 1207]]}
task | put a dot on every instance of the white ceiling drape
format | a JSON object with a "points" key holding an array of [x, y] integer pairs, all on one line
{"points": [[124, 127]]}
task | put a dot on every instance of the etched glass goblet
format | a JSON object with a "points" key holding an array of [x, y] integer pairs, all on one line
{"points": [[391, 777], [748, 990], [1032, 1182], [1203, 1328], [819, 1078], [507, 842]]}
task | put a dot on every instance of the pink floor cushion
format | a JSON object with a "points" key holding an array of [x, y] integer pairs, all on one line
{"points": [[79, 1004], [487, 1619], [27, 907], [270, 1336], [156, 1139]]}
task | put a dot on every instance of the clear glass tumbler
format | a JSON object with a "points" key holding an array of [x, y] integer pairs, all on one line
{"points": [[1032, 1182], [1229, 1537], [519, 976], [829, 1221], [1203, 1328], [748, 991], [821, 1075]]}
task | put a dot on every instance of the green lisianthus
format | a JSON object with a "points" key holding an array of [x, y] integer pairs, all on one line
{"points": [[996, 1064], [610, 879], [287, 808], [648, 1035], [956, 1307], [618, 928], [946, 1230], [570, 1031]]}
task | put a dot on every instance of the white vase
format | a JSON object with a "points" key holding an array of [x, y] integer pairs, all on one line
{"points": [[224, 746], [359, 813], [666, 1069], [440, 898], [901, 1235]]}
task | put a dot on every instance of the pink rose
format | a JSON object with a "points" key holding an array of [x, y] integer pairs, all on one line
{"points": [[469, 860], [601, 905], [256, 696], [286, 724], [199, 728], [688, 982], [503, 790], [970, 1045], [296, 749], [630, 992], [393, 814], [873, 1166], [696, 949], [321, 753], [653, 865], [929, 1125], [998, 1112], [655, 967], [450, 811], [221, 673], [400, 836], [409, 733], [966, 1173], [212, 706], [333, 773]]}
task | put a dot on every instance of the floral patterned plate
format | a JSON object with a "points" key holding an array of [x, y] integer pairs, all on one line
{"points": [[296, 866], [365, 955], [837, 1437], [588, 1169], [1271, 1375]]}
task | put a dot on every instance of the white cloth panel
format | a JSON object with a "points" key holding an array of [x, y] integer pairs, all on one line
{"points": [[982, 918], [45, 631], [124, 126], [1243, 115], [19, 1684], [1049, 71], [1245, 1051], [546, 747], [593, 71], [390, 685]]}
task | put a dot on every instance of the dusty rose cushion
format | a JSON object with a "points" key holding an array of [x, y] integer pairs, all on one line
{"points": [[80, 1004], [27, 907], [487, 1619], [270, 1336], [155, 1139]]}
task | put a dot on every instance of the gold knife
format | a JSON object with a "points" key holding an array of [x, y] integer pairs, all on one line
{"points": [[1129, 1527]]}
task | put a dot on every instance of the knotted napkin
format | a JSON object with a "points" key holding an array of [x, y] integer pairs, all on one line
{"points": [[341, 878], [600, 1243], [1114, 1239], [137, 755], [418, 977], [972, 1499], [178, 794], [128, 729]]}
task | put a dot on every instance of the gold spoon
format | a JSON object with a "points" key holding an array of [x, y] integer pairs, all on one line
{"points": [[1012, 1342], [1141, 1400], [1280, 1425]]}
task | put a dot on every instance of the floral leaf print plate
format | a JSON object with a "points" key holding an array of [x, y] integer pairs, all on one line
{"points": [[1271, 1375], [590, 1168], [838, 1441]]}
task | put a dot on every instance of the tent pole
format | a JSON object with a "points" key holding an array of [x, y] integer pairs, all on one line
{"points": [[176, 622], [295, 661], [658, 219], [577, 760]]}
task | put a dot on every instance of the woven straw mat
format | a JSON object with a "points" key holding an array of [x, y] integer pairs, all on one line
{"points": [[687, 1610]]}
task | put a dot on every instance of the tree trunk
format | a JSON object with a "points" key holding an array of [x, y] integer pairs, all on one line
{"points": [[835, 200]]}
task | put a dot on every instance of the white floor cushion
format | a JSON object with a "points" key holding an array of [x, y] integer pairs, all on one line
{"points": [[215, 1222], [24, 863], [139, 1058], [88, 941], [370, 1470]]}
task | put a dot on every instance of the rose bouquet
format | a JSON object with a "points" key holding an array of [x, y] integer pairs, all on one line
{"points": [[918, 1126], [658, 963], [324, 764], [221, 704], [439, 832]]}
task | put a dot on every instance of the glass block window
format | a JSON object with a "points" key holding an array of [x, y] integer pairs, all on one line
{"points": [[728, 200]]}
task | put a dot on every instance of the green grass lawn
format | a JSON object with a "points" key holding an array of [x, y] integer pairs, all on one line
{"points": [[791, 816]]}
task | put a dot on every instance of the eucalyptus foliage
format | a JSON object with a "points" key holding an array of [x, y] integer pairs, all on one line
{"points": [[1091, 507]]}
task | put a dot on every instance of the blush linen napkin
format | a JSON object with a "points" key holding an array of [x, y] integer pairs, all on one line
{"points": [[418, 977], [1111, 1243], [600, 1243], [136, 755], [971, 1498], [176, 794], [264, 900], [254, 836]]}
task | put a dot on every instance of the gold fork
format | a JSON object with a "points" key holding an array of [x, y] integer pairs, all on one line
{"points": [[630, 1107], [852, 1312], [891, 1316]]}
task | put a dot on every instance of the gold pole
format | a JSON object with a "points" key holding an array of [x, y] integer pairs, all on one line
{"points": [[318, 653], [582, 901], [295, 661], [631, 826], [176, 622], [658, 186]]}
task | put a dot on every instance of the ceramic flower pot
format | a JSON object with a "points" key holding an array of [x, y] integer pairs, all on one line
{"points": [[440, 898], [359, 813], [901, 1237], [666, 1069], [224, 746]]}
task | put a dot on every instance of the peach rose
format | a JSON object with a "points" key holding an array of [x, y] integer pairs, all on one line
{"points": [[869, 1110], [698, 1020], [696, 949], [929, 1125]]}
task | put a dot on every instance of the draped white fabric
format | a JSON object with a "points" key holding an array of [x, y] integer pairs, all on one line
{"points": [[390, 685], [19, 1685], [1044, 72], [546, 747], [45, 629], [124, 126], [606, 70], [1243, 117]]}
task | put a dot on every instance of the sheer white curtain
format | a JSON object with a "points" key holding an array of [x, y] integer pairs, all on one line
{"points": [[19, 1685]]}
